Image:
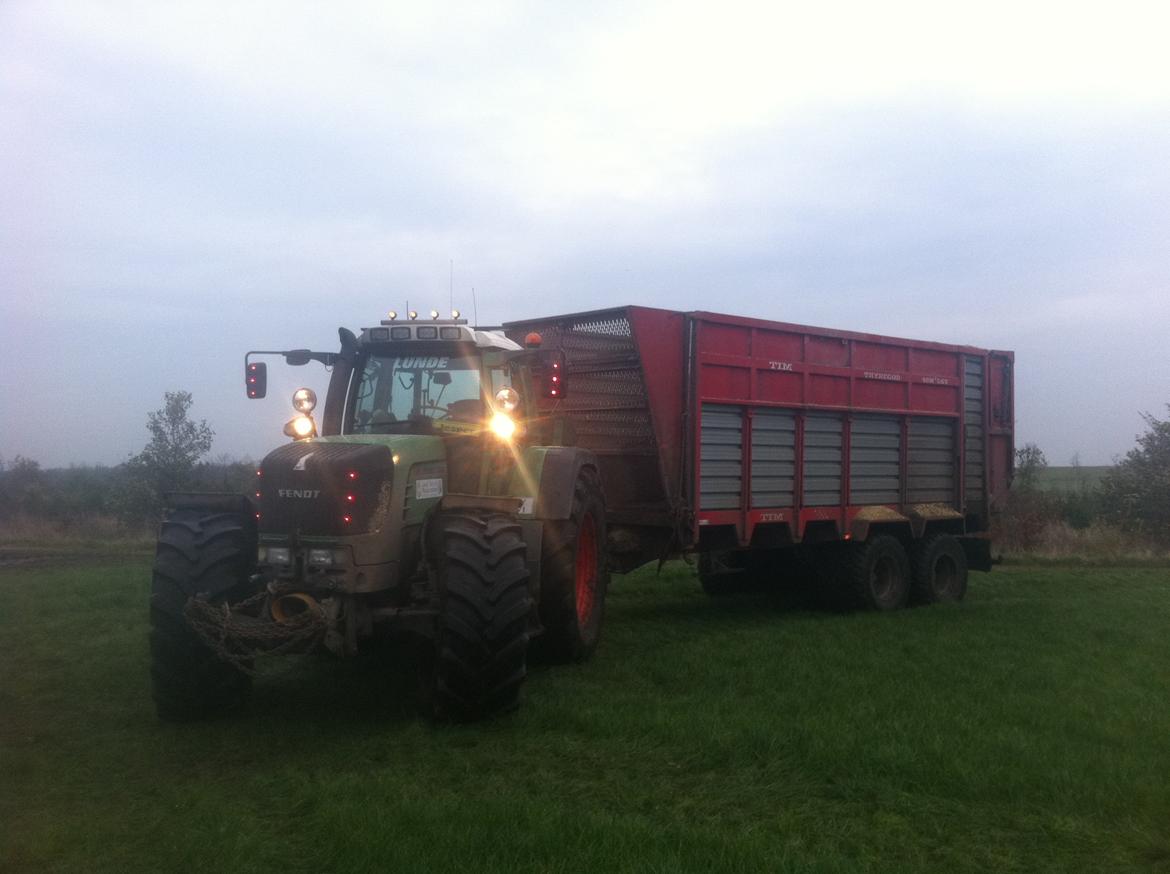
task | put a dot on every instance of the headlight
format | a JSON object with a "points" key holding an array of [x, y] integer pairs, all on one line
{"points": [[304, 400], [300, 427], [278, 555], [503, 426], [507, 399], [326, 557]]}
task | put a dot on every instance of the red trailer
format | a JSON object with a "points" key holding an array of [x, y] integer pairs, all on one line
{"points": [[748, 441]]}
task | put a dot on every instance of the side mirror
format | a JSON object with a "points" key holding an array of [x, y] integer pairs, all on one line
{"points": [[297, 357], [441, 378], [256, 379], [551, 378]]}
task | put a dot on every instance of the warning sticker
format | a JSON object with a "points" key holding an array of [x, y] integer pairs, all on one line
{"points": [[428, 488]]}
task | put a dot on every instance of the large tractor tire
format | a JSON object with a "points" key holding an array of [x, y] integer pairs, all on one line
{"points": [[574, 576], [939, 567], [877, 573], [198, 554], [480, 659]]}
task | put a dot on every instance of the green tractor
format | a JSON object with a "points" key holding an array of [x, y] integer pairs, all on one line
{"points": [[437, 501]]}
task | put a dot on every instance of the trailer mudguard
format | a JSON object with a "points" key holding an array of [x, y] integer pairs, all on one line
{"points": [[551, 472]]}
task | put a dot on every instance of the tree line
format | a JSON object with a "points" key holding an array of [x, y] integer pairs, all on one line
{"points": [[1134, 496], [133, 492]]}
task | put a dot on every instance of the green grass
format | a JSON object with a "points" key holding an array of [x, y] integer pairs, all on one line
{"points": [[1071, 479], [1024, 730]]}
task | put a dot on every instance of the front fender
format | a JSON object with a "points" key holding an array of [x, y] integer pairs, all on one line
{"points": [[548, 474]]}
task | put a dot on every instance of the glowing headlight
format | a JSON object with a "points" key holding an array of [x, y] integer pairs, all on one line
{"points": [[503, 426], [304, 400], [507, 399], [300, 427]]}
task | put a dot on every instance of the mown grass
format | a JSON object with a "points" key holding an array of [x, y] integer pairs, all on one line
{"points": [[1024, 730]]}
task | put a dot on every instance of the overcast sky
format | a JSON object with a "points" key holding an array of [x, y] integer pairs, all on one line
{"points": [[182, 182]]}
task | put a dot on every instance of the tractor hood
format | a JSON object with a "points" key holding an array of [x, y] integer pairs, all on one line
{"points": [[335, 486]]}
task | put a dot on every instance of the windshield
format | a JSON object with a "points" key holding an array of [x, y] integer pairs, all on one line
{"points": [[395, 391]]}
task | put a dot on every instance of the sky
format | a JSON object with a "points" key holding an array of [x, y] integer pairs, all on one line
{"points": [[182, 182]]}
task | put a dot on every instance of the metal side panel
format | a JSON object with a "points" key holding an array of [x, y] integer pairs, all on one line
{"points": [[932, 461], [822, 460], [975, 455], [773, 458], [875, 457], [720, 457]]}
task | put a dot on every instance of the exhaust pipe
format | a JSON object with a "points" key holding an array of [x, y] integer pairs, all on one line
{"points": [[291, 607]]}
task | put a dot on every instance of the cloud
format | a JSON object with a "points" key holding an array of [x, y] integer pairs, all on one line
{"points": [[191, 180]]}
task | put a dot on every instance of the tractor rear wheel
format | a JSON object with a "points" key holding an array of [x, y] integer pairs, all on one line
{"points": [[940, 570], [574, 576], [198, 554], [480, 659]]}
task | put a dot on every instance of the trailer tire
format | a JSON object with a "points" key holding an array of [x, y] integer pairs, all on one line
{"points": [[209, 555], [939, 570], [480, 656], [574, 576], [878, 573]]}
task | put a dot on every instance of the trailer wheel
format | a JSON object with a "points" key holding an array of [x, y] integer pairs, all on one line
{"points": [[940, 570], [197, 554], [574, 572], [878, 573], [480, 659]]}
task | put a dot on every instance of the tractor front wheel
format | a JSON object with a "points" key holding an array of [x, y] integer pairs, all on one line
{"points": [[480, 659], [206, 555]]}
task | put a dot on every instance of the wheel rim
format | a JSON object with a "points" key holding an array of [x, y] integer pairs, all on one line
{"points": [[884, 578], [586, 570], [946, 576]]}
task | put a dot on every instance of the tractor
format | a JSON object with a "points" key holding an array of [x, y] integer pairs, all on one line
{"points": [[434, 499]]}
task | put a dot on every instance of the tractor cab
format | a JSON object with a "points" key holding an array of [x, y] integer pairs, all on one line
{"points": [[437, 377]]}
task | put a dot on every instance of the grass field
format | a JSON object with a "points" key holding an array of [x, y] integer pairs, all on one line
{"points": [[1071, 479], [1027, 729]]}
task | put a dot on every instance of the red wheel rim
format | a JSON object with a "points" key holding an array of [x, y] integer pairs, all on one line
{"points": [[586, 576]]}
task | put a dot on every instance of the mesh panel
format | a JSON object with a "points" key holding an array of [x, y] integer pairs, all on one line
{"points": [[617, 327], [606, 399]]}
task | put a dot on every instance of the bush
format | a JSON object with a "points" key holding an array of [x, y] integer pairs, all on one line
{"points": [[1136, 493]]}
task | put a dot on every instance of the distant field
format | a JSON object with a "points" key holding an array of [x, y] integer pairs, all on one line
{"points": [[1024, 730], [1071, 479]]}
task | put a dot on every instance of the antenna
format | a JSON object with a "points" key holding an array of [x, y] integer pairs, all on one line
{"points": [[474, 307], [451, 288]]}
